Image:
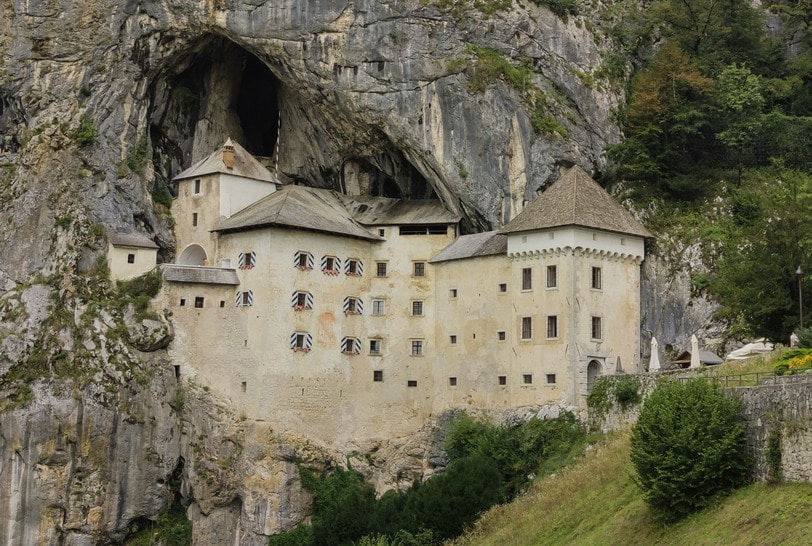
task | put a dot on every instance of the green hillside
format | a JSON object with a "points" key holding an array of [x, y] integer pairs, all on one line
{"points": [[596, 502]]}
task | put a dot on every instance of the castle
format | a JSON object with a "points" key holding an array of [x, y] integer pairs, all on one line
{"points": [[353, 318]]}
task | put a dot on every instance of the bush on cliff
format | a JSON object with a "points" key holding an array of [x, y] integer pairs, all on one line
{"points": [[688, 447]]}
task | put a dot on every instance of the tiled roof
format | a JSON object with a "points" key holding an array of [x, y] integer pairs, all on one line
{"points": [[298, 207], [245, 165], [576, 200], [488, 243], [199, 274], [134, 240], [379, 211]]}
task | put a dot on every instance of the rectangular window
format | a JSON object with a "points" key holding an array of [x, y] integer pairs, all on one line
{"points": [[452, 339], [197, 186], [354, 268], [244, 299], [247, 259], [380, 269], [301, 300], [374, 346], [182, 302], [330, 265], [503, 380], [527, 278], [381, 232], [351, 346], [419, 269], [303, 260], [596, 328], [452, 294], [352, 306], [199, 302], [377, 376], [527, 379], [527, 328], [417, 347], [596, 278], [194, 218], [378, 307], [222, 303], [552, 327], [452, 381], [501, 335], [550, 378], [502, 287], [552, 276], [411, 383], [301, 341], [417, 308]]}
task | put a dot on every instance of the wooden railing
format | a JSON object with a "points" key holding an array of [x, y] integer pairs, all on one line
{"points": [[754, 379]]}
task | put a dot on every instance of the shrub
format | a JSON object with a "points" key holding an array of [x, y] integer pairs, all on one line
{"points": [[688, 447], [627, 391], [793, 361], [805, 338], [85, 134]]}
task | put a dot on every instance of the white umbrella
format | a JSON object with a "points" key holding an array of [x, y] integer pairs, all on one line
{"points": [[654, 363], [694, 352]]}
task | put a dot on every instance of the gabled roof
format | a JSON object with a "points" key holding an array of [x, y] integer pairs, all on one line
{"points": [[245, 165], [382, 211], [705, 357], [298, 207], [576, 199], [133, 240], [488, 243], [200, 275]]}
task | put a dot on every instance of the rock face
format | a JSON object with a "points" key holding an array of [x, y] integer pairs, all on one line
{"points": [[102, 102]]}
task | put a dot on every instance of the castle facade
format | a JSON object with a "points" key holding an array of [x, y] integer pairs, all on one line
{"points": [[352, 318]]}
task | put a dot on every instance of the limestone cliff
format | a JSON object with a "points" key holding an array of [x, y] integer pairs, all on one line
{"points": [[102, 102]]}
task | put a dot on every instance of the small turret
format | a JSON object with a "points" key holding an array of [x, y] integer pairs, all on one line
{"points": [[228, 154]]}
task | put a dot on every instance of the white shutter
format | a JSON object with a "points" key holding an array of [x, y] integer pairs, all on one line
{"points": [[296, 256], [240, 260], [357, 347], [337, 265], [310, 261], [360, 267], [238, 297], [308, 341], [343, 344], [346, 305], [359, 306], [294, 299], [293, 340], [250, 297], [252, 259], [323, 263], [309, 299]]}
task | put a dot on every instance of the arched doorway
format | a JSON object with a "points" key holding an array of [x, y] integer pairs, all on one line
{"points": [[193, 255], [593, 370]]}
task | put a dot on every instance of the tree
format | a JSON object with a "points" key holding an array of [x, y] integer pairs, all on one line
{"points": [[688, 447]]}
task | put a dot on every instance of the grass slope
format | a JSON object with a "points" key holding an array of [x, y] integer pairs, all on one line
{"points": [[596, 502]]}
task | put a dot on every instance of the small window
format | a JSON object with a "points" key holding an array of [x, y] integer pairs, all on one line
{"points": [[503, 380], [330, 265], [501, 335], [247, 259], [596, 278], [417, 347], [596, 328], [244, 298], [622, 241], [417, 308], [381, 232], [452, 339], [351, 346], [524, 238], [452, 381], [301, 341], [303, 260], [527, 328], [197, 186], [194, 218], [527, 278], [199, 302], [353, 306], [411, 383], [550, 377], [552, 327], [380, 269], [130, 258], [419, 269], [244, 386], [378, 307], [527, 379], [452, 294], [301, 300], [354, 268], [182, 302], [552, 276], [377, 376], [222, 303], [502, 287], [374, 346]]}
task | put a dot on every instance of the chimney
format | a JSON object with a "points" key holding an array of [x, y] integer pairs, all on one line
{"points": [[228, 154]]}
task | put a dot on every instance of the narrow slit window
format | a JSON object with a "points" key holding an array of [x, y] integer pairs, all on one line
{"points": [[597, 281], [552, 276], [527, 278], [527, 328]]}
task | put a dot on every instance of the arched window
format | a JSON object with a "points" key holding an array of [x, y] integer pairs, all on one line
{"points": [[593, 371], [193, 255]]}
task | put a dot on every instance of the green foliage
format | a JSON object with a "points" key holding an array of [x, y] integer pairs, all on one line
{"points": [[140, 290], [490, 66], [301, 535], [627, 391], [171, 529], [138, 158], [793, 361], [562, 8], [64, 221], [804, 337], [85, 134], [688, 447], [774, 454]]}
